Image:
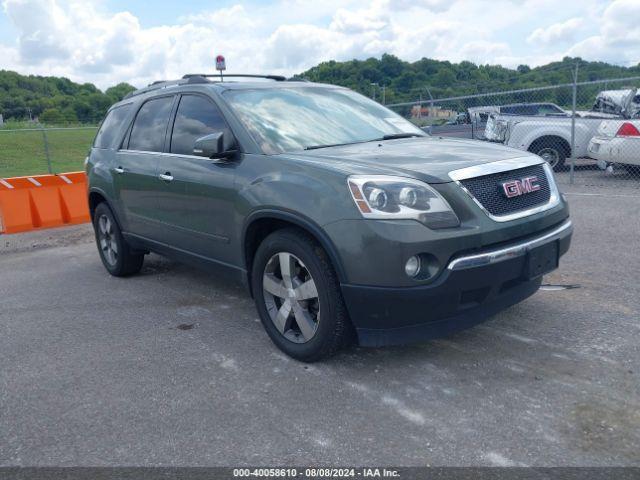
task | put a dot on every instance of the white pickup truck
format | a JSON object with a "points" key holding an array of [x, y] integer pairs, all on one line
{"points": [[548, 133]]}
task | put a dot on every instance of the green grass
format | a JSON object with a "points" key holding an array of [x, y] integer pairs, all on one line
{"points": [[22, 152]]}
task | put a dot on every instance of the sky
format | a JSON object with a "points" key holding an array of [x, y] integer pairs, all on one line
{"points": [[111, 41]]}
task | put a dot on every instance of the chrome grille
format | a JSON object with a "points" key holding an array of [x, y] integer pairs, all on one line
{"points": [[488, 191]]}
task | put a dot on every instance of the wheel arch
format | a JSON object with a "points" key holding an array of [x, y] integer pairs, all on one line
{"points": [[98, 196], [555, 138], [261, 223]]}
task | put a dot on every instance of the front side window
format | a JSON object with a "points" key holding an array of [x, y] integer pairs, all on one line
{"points": [[528, 110], [548, 109], [150, 125], [111, 126], [286, 119], [195, 118]]}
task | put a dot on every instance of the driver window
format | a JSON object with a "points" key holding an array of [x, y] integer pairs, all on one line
{"points": [[196, 117]]}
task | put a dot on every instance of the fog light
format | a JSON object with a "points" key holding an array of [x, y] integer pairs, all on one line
{"points": [[412, 267]]}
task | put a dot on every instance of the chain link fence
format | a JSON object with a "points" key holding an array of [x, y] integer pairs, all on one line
{"points": [[40, 150], [588, 131]]}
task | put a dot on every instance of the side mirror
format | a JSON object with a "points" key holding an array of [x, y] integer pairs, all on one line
{"points": [[214, 145]]}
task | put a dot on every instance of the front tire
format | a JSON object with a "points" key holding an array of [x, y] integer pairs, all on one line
{"points": [[115, 253], [298, 296], [553, 150]]}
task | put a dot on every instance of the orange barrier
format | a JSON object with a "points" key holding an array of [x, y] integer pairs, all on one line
{"points": [[43, 201]]}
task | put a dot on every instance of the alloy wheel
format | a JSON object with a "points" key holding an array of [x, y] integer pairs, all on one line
{"points": [[550, 155], [108, 244], [291, 297]]}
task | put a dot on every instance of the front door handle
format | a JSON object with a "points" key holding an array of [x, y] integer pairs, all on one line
{"points": [[166, 177], [119, 170]]}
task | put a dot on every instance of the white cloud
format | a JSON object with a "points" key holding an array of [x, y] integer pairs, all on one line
{"points": [[558, 32], [480, 50], [83, 41], [619, 37], [374, 17], [42, 24], [293, 45], [433, 5]]}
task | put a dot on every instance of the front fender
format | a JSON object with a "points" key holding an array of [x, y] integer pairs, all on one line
{"points": [[302, 194], [523, 134], [320, 195], [303, 222]]}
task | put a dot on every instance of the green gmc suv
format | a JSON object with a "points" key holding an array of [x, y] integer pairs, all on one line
{"points": [[344, 221]]}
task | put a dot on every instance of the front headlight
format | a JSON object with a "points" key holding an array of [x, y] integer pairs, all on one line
{"points": [[395, 198]]}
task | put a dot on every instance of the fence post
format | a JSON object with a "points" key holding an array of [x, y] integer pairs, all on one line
{"points": [[46, 148], [573, 123]]}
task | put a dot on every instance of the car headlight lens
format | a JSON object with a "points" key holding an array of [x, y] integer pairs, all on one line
{"points": [[387, 197]]}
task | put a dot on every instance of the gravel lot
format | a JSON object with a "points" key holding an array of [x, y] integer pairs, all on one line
{"points": [[172, 367]]}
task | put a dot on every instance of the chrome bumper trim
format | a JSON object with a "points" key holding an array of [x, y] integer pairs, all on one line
{"points": [[506, 253]]}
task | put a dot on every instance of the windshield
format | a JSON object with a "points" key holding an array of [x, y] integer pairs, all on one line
{"points": [[289, 119]]}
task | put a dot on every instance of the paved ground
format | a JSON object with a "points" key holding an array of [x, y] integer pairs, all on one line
{"points": [[172, 368]]}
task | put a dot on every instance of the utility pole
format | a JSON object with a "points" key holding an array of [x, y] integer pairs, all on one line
{"points": [[430, 110], [431, 102], [47, 153], [384, 96], [573, 123]]}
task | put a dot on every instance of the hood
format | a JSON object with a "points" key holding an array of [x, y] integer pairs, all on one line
{"points": [[622, 102], [427, 158]]}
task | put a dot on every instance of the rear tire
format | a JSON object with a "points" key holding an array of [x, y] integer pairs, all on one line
{"points": [[553, 150], [116, 254], [302, 311]]}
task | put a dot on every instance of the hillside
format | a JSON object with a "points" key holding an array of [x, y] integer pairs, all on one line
{"points": [[58, 101], [406, 81], [55, 100]]}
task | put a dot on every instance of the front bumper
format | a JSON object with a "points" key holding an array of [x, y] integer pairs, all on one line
{"points": [[471, 289]]}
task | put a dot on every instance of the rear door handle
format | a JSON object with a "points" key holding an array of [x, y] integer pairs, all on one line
{"points": [[119, 170], [166, 177]]}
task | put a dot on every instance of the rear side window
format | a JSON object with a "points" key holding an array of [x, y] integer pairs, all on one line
{"points": [[195, 118], [111, 126], [149, 127], [520, 110]]}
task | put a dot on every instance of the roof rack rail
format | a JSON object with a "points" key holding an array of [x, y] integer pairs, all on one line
{"points": [[193, 78], [277, 78], [159, 84]]}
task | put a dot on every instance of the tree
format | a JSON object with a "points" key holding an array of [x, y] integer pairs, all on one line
{"points": [[52, 116], [55, 100], [444, 78], [118, 92]]}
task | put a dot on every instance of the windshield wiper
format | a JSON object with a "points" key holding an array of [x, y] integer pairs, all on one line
{"points": [[393, 136], [314, 147]]}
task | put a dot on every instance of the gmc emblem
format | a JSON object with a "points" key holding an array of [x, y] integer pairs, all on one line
{"points": [[515, 188]]}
